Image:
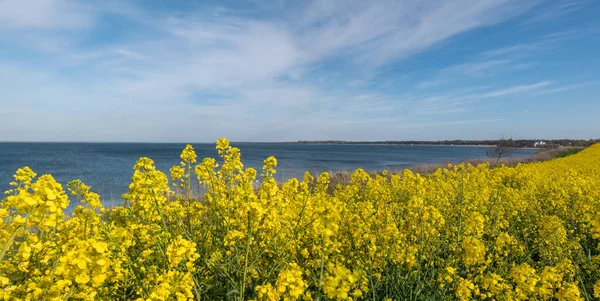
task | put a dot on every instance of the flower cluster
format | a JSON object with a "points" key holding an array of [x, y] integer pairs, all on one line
{"points": [[530, 232]]}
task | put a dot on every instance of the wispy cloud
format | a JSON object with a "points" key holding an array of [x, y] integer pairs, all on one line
{"points": [[557, 9], [475, 69], [518, 50], [118, 71], [512, 58], [453, 103], [565, 87], [517, 89]]}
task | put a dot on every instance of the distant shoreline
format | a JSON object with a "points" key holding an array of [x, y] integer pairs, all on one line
{"points": [[343, 176], [521, 143], [515, 143], [242, 143]]}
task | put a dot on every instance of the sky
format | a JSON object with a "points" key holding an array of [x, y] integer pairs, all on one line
{"points": [[258, 70]]}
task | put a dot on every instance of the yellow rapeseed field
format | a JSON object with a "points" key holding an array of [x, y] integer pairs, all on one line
{"points": [[529, 232]]}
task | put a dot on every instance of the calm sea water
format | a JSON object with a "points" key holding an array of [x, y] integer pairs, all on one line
{"points": [[108, 167]]}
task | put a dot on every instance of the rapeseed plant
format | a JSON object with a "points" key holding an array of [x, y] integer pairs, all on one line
{"points": [[530, 232]]}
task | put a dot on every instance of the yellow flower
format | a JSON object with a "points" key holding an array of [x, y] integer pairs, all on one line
{"points": [[181, 249], [177, 172], [597, 289], [188, 155], [463, 232], [18, 220], [100, 247], [290, 282], [340, 283], [98, 280], [474, 251], [569, 292], [464, 289], [82, 279], [222, 143], [525, 277]]}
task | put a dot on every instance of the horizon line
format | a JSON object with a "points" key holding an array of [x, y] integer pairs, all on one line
{"points": [[328, 141]]}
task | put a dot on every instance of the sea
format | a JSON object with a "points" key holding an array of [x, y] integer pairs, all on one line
{"points": [[108, 167]]}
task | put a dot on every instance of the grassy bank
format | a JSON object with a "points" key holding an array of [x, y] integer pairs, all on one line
{"points": [[343, 177]]}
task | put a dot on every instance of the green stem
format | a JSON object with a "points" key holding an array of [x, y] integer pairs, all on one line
{"points": [[243, 285], [322, 265], [68, 295], [9, 242]]}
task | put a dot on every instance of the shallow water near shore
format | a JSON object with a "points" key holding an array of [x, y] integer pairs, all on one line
{"points": [[108, 167]]}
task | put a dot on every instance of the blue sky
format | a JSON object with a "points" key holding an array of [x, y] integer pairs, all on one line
{"points": [[194, 71]]}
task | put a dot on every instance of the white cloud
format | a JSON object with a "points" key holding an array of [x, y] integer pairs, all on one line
{"points": [[141, 86], [44, 14]]}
